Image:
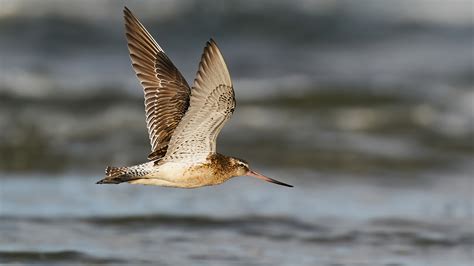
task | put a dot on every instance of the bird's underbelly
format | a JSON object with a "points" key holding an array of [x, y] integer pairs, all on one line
{"points": [[177, 175]]}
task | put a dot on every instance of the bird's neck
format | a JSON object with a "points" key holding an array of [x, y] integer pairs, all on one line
{"points": [[220, 161]]}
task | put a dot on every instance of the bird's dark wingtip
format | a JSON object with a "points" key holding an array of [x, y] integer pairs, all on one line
{"points": [[211, 42], [127, 12]]}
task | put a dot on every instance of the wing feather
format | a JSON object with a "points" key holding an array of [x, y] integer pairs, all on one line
{"points": [[166, 91], [211, 105]]}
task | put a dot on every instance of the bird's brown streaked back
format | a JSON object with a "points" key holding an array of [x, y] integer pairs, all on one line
{"points": [[166, 91], [211, 105]]}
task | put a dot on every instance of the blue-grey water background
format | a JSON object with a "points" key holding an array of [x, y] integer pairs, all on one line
{"points": [[366, 107]]}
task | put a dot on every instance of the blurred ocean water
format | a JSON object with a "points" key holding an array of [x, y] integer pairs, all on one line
{"points": [[367, 107], [341, 220]]}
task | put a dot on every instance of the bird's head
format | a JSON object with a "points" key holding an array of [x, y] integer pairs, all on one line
{"points": [[241, 168]]}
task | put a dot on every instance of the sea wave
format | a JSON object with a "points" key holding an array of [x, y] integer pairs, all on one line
{"points": [[325, 231], [38, 257]]}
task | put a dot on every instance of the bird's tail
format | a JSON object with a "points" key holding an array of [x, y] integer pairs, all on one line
{"points": [[115, 175]]}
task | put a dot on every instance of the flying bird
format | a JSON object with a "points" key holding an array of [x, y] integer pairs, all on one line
{"points": [[183, 122]]}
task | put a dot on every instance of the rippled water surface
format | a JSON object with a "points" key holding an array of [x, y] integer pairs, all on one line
{"points": [[335, 220]]}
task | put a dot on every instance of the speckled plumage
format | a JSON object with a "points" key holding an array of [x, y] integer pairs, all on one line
{"points": [[183, 123]]}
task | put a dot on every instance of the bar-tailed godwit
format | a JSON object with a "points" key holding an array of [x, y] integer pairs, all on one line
{"points": [[183, 122]]}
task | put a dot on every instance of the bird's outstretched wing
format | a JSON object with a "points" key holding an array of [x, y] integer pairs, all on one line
{"points": [[211, 105], [166, 91]]}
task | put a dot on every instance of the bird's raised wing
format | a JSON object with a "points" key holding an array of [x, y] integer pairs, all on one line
{"points": [[166, 91], [211, 105]]}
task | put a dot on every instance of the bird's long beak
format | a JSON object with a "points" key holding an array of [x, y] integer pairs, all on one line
{"points": [[268, 179]]}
